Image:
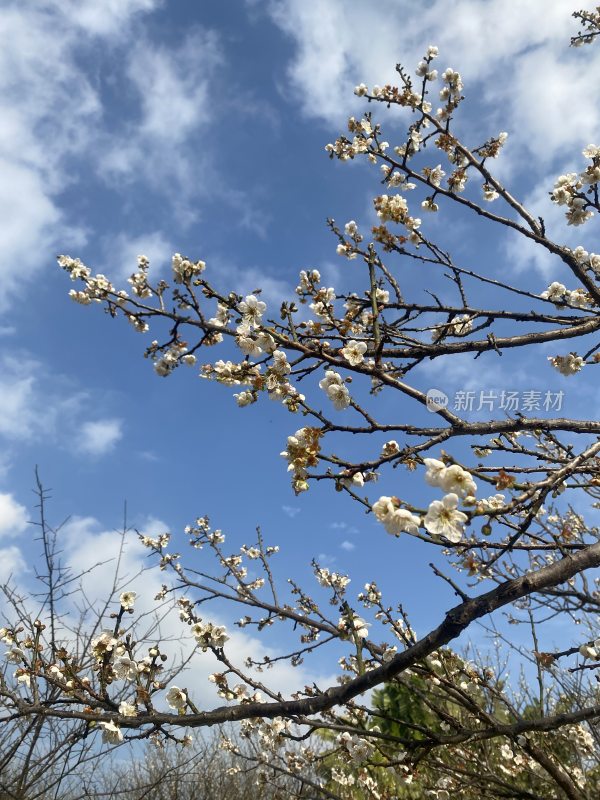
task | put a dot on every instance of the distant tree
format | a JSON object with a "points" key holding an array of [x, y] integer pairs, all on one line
{"points": [[510, 508]]}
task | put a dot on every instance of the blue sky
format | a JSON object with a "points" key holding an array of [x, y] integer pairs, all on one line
{"points": [[141, 126]]}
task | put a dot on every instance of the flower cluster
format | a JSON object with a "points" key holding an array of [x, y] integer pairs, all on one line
{"points": [[451, 479], [331, 580], [184, 269], [559, 294], [335, 389], [567, 365], [570, 189], [358, 749], [461, 325], [208, 635], [395, 520], [353, 626]]}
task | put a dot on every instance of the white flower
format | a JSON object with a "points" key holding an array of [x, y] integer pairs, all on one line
{"points": [[127, 709], [55, 673], [556, 291], [125, 669], [358, 749], [401, 520], [184, 269], [15, 655], [252, 310], [360, 90], [567, 365], [111, 733], [244, 399], [266, 342], [435, 471], [209, 635], [443, 518], [339, 396], [6, 636], [354, 352], [176, 698], [382, 296], [24, 678], [358, 479], [335, 389], [358, 626], [390, 448], [395, 520], [457, 480], [103, 643], [490, 503], [578, 214], [249, 346], [587, 651], [127, 599]]}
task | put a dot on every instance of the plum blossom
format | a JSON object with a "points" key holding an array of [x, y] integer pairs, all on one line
{"points": [[555, 292], [127, 599], [457, 480], [176, 698], [111, 733], [125, 668], [394, 519], [451, 479], [435, 471], [184, 269], [567, 365], [245, 398], [252, 310], [335, 389], [105, 642], [444, 519], [127, 709], [15, 655], [358, 749], [356, 626], [209, 635], [354, 352], [590, 651]]}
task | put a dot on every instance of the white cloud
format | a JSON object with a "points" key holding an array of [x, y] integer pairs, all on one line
{"points": [[99, 437], [518, 53], [50, 111], [103, 17], [33, 403], [37, 405], [53, 119], [160, 144], [122, 252], [246, 279], [343, 526], [13, 516], [326, 560], [12, 563], [37, 78], [348, 546], [291, 511], [106, 560]]}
